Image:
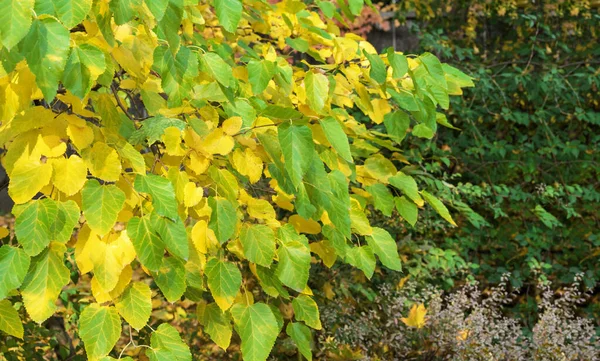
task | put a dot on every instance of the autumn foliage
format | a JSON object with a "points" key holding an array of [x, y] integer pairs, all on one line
{"points": [[206, 151]]}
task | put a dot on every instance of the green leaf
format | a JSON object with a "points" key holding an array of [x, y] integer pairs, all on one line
{"points": [[67, 217], [99, 329], [85, 64], [46, 47], [46, 277], [298, 44], [173, 235], [422, 131], [33, 224], [218, 325], [460, 78], [224, 281], [306, 309], [382, 198], [222, 219], [336, 136], [362, 258], [219, 69], [384, 246], [72, 12], [434, 67], [408, 186], [405, 99], [157, 8], [149, 247], [10, 322], [398, 62], [327, 7], [302, 337], [170, 278], [15, 20], [378, 70], [407, 209], [396, 123], [270, 283], [294, 264], [317, 90], [226, 183], [162, 192], [168, 26], [14, 263], [257, 326], [153, 128], [229, 13], [259, 244], [260, 72], [439, 207], [167, 345], [356, 6], [177, 72], [135, 305], [124, 10], [101, 205], [297, 145]]}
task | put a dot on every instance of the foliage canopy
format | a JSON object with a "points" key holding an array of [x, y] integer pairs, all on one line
{"points": [[204, 150]]}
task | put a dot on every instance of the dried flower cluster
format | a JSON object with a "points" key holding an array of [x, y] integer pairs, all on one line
{"points": [[466, 325]]}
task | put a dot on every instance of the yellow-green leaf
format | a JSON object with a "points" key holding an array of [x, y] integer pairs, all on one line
{"points": [[218, 325], [439, 207], [135, 304], [317, 90], [101, 205], [15, 20], [99, 329], [10, 322], [224, 281], [14, 263], [167, 345], [46, 277], [258, 329], [306, 309], [259, 244]]}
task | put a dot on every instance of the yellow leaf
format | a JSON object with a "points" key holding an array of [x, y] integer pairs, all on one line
{"points": [[109, 257], [27, 178], [248, 164], [218, 143], [103, 162], [85, 239], [69, 174], [260, 208], [232, 125], [192, 194], [102, 296], [4, 232], [328, 291], [203, 237], [402, 282], [380, 108], [198, 163], [79, 132], [462, 335], [307, 291], [302, 225], [358, 219], [416, 316], [172, 140], [283, 201], [325, 251]]}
